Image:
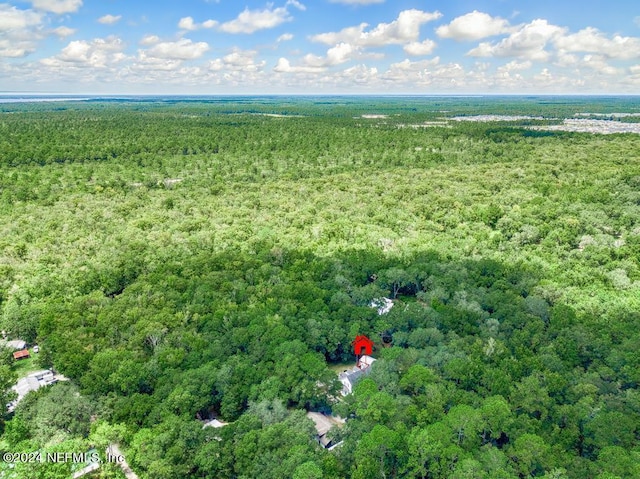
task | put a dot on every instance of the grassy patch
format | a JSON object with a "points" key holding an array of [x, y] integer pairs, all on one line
{"points": [[24, 367]]}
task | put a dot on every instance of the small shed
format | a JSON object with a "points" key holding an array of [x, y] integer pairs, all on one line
{"points": [[362, 345], [23, 354]]}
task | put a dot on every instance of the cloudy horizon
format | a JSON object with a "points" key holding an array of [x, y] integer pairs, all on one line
{"points": [[328, 47]]}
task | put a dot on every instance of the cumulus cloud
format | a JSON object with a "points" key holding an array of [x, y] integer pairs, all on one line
{"points": [[150, 40], [514, 66], [57, 6], [98, 53], [109, 19], [592, 40], [337, 55], [15, 49], [424, 73], [249, 21], [405, 29], [12, 18], [285, 37], [187, 23], [473, 26], [238, 60], [284, 66], [63, 32], [19, 31], [599, 64], [183, 49], [296, 4], [420, 48], [527, 43]]}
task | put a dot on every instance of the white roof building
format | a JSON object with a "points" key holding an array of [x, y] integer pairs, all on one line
{"points": [[32, 382], [350, 377], [16, 344]]}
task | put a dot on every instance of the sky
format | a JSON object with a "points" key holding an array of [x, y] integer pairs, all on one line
{"points": [[214, 47]]}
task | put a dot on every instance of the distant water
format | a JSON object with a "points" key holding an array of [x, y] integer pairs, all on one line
{"points": [[336, 99], [37, 99]]}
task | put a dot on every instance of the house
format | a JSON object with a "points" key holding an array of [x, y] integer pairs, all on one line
{"points": [[350, 377], [32, 382], [23, 354], [323, 424]]}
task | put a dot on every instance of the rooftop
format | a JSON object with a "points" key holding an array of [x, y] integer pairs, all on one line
{"points": [[21, 354], [32, 382], [13, 344]]}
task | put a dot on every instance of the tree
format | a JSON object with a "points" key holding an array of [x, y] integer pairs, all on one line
{"points": [[378, 454], [529, 455]]}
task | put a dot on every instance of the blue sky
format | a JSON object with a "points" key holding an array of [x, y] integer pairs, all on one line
{"points": [[319, 46]]}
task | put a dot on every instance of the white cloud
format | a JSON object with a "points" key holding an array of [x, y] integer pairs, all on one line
{"points": [[285, 37], [183, 49], [527, 43], [592, 40], [337, 55], [19, 31], [473, 26], [63, 31], [150, 40], [510, 76], [424, 73], [357, 2], [187, 23], [284, 66], [15, 49], [13, 19], [360, 74], [514, 66], [420, 48], [296, 4], [238, 60], [150, 66], [109, 19], [99, 53], [405, 29], [566, 60], [600, 65], [250, 21], [57, 6]]}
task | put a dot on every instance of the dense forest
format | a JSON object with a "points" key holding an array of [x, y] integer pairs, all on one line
{"points": [[184, 259]]}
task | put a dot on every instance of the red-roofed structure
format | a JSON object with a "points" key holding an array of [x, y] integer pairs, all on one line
{"points": [[362, 345], [21, 354]]}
